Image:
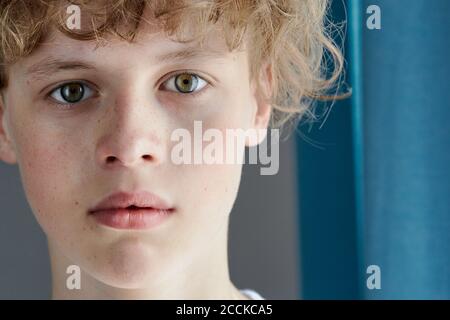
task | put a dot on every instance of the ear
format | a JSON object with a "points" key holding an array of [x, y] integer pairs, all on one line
{"points": [[7, 153], [263, 93]]}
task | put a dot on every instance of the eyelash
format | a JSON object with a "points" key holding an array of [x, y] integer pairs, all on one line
{"points": [[193, 94]]}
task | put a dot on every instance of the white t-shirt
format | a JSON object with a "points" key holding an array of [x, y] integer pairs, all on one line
{"points": [[252, 294]]}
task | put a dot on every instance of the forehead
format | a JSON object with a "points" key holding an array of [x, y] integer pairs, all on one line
{"points": [[151, 45]]}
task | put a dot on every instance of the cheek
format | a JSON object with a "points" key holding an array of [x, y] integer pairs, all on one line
{"points": [[211, 189], [46, 173], [222, 186], [206, 197], [208, 191], [215, 188]]}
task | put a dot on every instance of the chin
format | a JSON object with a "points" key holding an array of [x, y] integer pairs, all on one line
{"points": [[129, 265]]}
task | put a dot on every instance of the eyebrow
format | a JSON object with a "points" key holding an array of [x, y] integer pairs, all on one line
{"points": [[52, 65], [189, 54]]}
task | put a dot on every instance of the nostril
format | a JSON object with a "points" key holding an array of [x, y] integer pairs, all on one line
{"points": [[110, 159]]}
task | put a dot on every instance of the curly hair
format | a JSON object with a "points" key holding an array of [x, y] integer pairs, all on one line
{"points": [[291, 35]]}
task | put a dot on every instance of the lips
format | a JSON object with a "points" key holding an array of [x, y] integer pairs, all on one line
{"points": [[138, 210]]}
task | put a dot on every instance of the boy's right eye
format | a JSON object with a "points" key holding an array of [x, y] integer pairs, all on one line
{"points": [[70, 93]]}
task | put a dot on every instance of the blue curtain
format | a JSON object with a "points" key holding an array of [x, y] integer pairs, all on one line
{"points": [[380, 193], [407, 149], [327, 224]]}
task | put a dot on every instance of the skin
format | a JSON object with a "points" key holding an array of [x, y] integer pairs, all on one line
{"points": [[62, 156]]}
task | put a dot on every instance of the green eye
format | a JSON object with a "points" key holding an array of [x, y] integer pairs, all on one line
{"points": [[185, 83], [71, 93]]}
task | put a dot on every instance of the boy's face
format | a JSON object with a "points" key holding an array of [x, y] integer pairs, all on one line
{"points": [[128, 111]]}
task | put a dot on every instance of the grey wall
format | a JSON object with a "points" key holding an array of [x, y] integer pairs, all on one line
{"points": [[24, 265], [263, 242], [262, 247]]}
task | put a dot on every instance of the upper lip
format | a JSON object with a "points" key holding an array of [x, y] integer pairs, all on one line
{"points": [[121, 200]]}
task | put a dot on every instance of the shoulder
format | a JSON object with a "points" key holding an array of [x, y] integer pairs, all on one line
{"points": [[252, 294]]}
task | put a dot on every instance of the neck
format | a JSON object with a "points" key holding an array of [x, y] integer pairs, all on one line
{"points": [[207, 277]]}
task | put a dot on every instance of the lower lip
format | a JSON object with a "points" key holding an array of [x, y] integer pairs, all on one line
{"points": [[131, 218]]}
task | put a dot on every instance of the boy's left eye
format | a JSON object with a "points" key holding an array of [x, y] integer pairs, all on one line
{"points": [[184, 83]]}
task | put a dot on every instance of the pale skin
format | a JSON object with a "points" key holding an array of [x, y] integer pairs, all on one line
{"points": [[129, 114]]}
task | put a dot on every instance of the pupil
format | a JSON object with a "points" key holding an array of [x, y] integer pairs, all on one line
{"points": [[72, 92]]}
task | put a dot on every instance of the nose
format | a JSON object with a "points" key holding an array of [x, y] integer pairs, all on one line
{"points": [[132, 135], [129, 153]]}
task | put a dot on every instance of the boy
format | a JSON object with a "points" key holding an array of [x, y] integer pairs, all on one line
{"points": [[88, 110]]}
